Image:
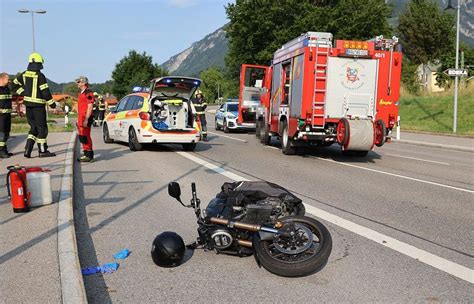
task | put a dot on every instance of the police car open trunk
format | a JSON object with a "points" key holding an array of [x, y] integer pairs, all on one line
{"points": [[171, 108]]}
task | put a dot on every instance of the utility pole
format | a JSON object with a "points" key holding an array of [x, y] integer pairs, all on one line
{"points": [[456, 78], [25, 11]]}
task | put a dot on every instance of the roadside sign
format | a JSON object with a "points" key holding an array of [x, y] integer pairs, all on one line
{"points": [[456, 72]]}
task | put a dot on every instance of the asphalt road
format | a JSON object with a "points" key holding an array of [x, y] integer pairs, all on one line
{"points": [[400, 219]]}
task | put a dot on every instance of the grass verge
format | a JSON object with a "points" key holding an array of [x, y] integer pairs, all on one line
{"points": [[434, 112], [52, 127]]}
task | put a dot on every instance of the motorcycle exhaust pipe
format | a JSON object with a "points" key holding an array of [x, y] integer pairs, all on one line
{"points": [[245, 243], [243, 226]]}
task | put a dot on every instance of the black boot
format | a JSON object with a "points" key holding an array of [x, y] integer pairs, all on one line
{"points": [[4, 154], [30, 143], [43, 151]]}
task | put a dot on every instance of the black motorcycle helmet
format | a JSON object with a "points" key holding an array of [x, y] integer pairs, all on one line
{"points": [[168, 249]]}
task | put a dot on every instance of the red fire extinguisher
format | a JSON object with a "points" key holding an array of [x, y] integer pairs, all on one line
{"points": [[17, 189]]}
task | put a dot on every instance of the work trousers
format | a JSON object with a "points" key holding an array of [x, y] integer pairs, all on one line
{"points": [[36, 117], [84, 134], [101, 116], [202, 119], [5, 128]]}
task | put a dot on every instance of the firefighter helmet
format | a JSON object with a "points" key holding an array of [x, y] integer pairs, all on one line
{"points": [[35, 57], [198, 92]]}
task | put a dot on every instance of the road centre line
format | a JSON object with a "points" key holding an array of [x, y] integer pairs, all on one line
{"points": [[242, 140], [396, 175], [420, 159], [426, 257]]}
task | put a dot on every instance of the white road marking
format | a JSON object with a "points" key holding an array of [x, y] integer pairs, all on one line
{"points": [[396, 175], [272, 147], [420, 159], [213, 167], [426, 257], [242, 140]]}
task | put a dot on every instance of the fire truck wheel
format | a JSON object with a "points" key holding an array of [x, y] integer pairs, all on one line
{"points": [[265, 134], [380, 133], [286, 147], [342, 132], [106, 135], [133, 143]]}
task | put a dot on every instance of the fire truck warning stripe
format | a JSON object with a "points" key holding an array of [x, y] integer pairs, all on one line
{"points": [[426, 257]]}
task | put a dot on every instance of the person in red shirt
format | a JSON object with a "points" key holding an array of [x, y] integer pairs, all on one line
{"points": [[85, 101]]}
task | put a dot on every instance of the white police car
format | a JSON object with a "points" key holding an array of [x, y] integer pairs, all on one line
{"points": [[227, 116]]}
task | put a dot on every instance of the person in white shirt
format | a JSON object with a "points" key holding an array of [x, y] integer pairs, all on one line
{"points": [[66, 115]]}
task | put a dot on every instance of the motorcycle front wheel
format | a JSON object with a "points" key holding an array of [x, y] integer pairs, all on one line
{"points": [[304, 253]]}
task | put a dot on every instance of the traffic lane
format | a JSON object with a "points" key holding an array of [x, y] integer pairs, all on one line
{"points": [[452, 157], [459, 176], [224, 173], [416, 166], [445, 166], [130, 215], [419, 213]]}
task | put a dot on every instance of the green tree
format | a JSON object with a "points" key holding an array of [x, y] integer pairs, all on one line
{"points": [[212, 82], [359, 19], [103, 88], [448, 60], [134, 70], [425, 32], [410, 78], [71, 89], [258, 28]]}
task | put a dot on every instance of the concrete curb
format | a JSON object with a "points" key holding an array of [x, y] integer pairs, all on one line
{"points": [[72, 284], [434, 145]]}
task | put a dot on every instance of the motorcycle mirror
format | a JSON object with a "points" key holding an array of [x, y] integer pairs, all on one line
{"points": [[174, 190]]}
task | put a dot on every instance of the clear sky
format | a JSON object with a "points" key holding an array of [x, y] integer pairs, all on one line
{"points": [[89, 37]]}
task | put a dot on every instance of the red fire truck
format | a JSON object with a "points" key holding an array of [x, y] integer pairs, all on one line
{"points": [[317, 93]]}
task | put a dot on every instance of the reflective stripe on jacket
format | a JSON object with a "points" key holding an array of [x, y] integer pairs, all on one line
{"points": [[200, 105], [34, 87], [5, 100]]}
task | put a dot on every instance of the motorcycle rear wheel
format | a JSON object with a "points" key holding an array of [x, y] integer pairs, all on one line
{"points": [[309, 261]]}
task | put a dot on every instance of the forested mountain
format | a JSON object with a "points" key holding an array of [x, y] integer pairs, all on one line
{"points": [[211, 50], [207, 52]]}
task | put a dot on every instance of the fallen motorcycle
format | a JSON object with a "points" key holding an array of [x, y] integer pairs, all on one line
{"points": [[262, 219]]}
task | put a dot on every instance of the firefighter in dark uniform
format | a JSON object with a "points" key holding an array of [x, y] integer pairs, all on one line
{"points": [[95, 110], [32, 85], [200, 105], [101, 109], [5, 114]]}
